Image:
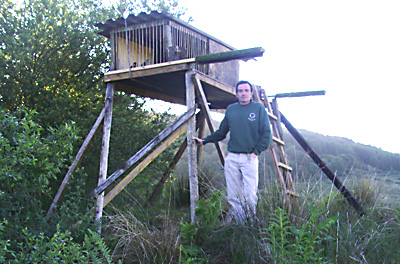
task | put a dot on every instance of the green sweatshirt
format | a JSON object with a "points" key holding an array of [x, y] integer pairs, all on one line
{"points": [[249, 128]]}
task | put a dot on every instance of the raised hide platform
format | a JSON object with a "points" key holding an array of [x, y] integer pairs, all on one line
{"points": [[166, 81]]}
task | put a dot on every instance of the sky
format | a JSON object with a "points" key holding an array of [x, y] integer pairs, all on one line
{"points": [[350, 49]]}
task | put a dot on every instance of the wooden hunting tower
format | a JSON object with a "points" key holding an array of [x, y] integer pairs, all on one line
{"points": [[159, 56]]}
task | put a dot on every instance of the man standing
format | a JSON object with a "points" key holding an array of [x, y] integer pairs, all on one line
{"points": [[250, 134]]}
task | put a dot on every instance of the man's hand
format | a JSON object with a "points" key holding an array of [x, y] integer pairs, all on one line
{"points": [[254, 156], [198, 141]]}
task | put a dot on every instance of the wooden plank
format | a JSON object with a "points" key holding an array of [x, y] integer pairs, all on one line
{"points": [[271, 116], [277, 140], [275, 110], [171, 167], [178, 155], [126, 74], [282, 165], [300, 94], [244, 54], [142, 165], [200, 149], [105, 148], [192, 160], [277, 170], [322, 165], [221, 86], [206, 109], [75, 164], [143, 151], [148, 91], [152, 66]]}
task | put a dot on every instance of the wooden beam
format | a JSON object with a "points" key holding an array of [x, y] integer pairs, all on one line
{"points": [[204, 107], [143, 151], [221, 86], [75, 164], [192, 160], [172, 164], [335, 180], [200, 149], [244, 54], [299, 94], [122, 184], [105, 148], [154, 69]]}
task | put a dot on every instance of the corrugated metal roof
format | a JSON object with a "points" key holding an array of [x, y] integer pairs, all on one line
{"points": [[143, 18]]}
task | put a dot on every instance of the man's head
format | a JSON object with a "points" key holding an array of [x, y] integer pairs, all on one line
{"points": [[244, 92]]}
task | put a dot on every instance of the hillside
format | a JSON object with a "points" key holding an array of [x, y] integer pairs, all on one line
{"points": [[345, 157], [348, 159]]}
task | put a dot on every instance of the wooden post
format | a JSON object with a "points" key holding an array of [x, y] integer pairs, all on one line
{"points": [[76, 163], [105, 148], [275, 110], [201, 133], [192, 160]]}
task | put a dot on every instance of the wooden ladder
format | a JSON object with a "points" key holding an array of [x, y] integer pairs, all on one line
{"points": [[282, 168]]}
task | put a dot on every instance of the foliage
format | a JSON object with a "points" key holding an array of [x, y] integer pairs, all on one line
{"points": [[208, 214], [51, 59], [60, 248], [287, 244], [30, 162]]}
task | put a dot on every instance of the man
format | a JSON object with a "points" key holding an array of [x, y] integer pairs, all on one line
{"points": [[250, 134]]}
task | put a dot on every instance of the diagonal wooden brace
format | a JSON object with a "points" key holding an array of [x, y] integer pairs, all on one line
{"points": [[143, 151], [76, 163], [204, 107]]}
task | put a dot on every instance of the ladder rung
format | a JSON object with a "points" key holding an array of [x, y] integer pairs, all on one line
{"points": [[272, 116], [277, 140], [280, 164]]}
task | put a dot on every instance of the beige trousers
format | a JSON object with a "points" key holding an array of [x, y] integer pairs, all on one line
{"points": [[241, 174]]}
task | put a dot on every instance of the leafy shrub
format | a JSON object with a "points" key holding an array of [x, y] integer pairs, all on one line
{"points": [[30, 164]]}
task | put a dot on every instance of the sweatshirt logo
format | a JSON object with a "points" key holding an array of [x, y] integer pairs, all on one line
{"points": [[252, 117]]}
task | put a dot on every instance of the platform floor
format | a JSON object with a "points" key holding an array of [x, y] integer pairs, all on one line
{"points": [[166, 82]]}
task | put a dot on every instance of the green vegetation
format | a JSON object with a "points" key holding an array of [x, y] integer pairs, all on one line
{"points": [[51, 91]]}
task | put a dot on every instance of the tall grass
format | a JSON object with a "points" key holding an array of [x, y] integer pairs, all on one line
{"points": [[320, 228]]}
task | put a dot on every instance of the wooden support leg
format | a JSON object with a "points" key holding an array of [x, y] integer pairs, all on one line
{"points": [[76, 163], [105, 148], [192, 160]]}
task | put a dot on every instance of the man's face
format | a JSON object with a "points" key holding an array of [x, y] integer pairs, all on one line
{"points": [[244, 93]]}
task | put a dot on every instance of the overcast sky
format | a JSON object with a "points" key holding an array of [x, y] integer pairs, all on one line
{"points": [[350, 49]]}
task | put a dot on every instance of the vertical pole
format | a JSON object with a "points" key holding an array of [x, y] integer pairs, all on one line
{"points": [[167, 40], [105, 149], [200, 149], [192, 160], [276, 112]]}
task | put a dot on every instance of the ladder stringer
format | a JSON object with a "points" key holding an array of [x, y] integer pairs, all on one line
{"points": [[282, 168]]}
